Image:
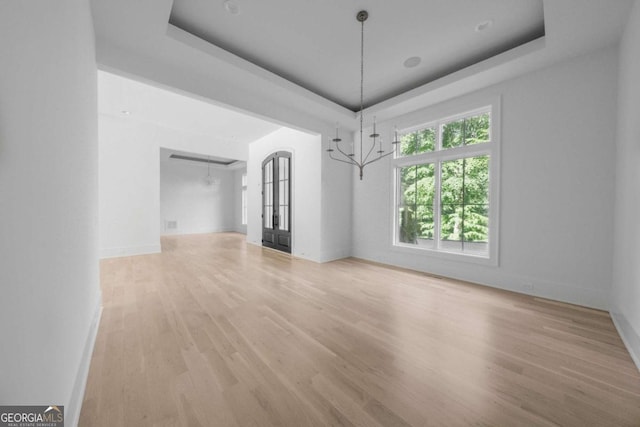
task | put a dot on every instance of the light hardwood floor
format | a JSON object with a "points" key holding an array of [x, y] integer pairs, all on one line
{"points": [[215, 332]]}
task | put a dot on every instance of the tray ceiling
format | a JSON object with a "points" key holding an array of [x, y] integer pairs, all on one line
{"points": [[316, 45]]}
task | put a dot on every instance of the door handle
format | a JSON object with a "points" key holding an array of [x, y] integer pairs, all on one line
{"points": [[275, 220]]}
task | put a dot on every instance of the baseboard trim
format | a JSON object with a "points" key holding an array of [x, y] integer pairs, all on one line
{"points": [[334, 255], [72, 411], [596, 298], [202, 231], [629, 336], [129, 251]]}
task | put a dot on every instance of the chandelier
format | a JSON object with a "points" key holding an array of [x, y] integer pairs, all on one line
{"points": [[209, 180], [350, 158]]}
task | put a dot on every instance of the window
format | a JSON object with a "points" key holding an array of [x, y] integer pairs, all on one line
{"points": [[244, 199], [446, 197]]}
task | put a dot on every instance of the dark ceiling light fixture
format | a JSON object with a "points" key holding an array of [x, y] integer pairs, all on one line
{"points": [[350, 158]]}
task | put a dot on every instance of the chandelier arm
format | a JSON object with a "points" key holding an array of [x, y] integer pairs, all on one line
{"points": [[373, 145], [378, 158], [345, 154], [350, 162]]}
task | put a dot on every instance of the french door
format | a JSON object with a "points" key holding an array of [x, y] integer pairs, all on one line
{"points": [[276, 201]]}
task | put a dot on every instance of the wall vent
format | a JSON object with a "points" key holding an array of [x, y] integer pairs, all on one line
{"points": [[171, 225]]}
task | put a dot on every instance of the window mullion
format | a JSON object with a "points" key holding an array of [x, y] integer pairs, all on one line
{"points": [[436, 204], [399, 201], [436, 191], [464, 175]]}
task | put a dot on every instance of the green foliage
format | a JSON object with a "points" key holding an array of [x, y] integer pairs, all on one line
{"points": [[408, 226], [421, 141], [476, 129], [468, 131], [416, 211], [464, 199]]}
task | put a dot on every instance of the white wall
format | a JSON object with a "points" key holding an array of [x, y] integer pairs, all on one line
{"points": [[48, 202], [195, 206], [556, 228], [130, 180], [336, 204], [129, 188], [625, 300], [237, 215], [305, 189]]}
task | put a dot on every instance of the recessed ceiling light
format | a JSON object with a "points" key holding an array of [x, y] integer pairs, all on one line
{"points": [[125, 112], [484, 25], [414, 61], [232, 7]]}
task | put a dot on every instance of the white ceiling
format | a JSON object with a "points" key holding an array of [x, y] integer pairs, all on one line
{"points": [[317, 44], [136, 101], [135, 38]]}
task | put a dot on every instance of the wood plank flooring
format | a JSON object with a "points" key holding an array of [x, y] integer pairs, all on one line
{"points": [[215, 332]]}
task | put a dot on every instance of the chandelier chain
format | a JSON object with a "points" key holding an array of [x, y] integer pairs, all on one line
{"points": [[361, 83]]}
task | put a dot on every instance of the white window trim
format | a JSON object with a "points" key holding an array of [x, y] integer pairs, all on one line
{"points": [[491, 148]]}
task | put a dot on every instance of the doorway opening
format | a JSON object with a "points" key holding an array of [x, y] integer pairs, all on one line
{"points": [[276, 201]]}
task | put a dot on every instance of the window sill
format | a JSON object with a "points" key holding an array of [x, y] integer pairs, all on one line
{"points": [[491, 260]]}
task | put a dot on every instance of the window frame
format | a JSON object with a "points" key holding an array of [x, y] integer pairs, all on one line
{"points": [[436, 157]]}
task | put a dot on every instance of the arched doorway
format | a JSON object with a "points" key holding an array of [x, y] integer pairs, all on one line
{"points": [[276, 201]]}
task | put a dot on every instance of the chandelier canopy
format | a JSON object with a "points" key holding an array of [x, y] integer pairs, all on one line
{"points": [[350, 158]]}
